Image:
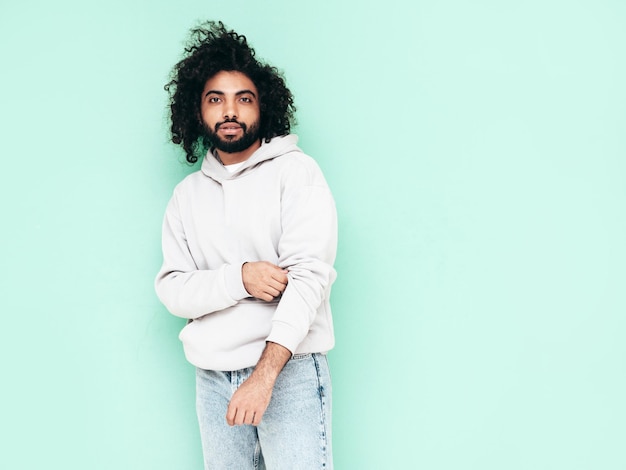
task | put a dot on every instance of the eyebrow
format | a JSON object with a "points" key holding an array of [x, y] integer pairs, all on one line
{"points": [[239, 93]]}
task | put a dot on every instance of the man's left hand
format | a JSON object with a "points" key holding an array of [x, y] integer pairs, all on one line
{"points": [[252, 398], [249, 403]]}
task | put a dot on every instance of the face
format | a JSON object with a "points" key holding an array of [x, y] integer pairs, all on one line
{"points": [[230, 112]]}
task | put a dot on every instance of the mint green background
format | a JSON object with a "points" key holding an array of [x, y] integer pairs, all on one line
{"points": [[476, 151]]}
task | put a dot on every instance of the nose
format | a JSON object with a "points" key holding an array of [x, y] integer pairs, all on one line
{"points": [[230, 109]]}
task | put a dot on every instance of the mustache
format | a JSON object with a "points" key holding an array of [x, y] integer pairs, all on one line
{"points": [[232, 121]]}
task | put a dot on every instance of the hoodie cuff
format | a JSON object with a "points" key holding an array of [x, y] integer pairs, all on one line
{"points": [[234, 282], [285, 335]]}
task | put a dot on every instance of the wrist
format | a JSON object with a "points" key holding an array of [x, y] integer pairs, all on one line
{"points": [[271, 363]]}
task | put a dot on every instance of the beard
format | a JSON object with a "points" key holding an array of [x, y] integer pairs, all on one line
{"points": [[234, 145]]}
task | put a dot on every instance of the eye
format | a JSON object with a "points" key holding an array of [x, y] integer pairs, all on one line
{"points": [[246, 99], [214, 99]]}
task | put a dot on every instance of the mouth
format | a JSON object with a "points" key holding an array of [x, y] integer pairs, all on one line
{"points": [[229, 128]]}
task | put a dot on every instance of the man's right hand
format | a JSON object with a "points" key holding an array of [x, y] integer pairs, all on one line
{"points": [[263, 280]]}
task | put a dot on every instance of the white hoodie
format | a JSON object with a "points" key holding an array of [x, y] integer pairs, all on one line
{"points": [[276, 207]]}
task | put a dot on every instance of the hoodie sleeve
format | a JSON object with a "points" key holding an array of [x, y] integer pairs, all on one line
{"points": [[307, 248], [186, 290]]}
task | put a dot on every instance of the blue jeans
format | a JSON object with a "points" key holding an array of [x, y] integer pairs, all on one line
{"points": [[295, 432]]}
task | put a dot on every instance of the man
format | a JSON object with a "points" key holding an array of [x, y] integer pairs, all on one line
{"points": [[249, 243]]}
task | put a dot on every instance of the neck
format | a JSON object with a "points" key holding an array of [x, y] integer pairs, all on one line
{"points": [[238, 157]]}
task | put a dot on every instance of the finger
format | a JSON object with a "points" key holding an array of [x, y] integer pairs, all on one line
{"points": [[230, 415], [249, 418], [263, 294], [282, 279], [239, 417], [278, 287], [273, 291]]}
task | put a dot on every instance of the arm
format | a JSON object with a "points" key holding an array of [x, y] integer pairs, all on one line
{"points": [[190, 292], [307, 248], [252, 398], [186, 290]]}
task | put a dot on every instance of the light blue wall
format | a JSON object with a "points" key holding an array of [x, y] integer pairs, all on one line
{"points": [[477, 155]]}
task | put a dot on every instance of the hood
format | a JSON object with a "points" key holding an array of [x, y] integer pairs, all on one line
{"points": [[277, 147]]}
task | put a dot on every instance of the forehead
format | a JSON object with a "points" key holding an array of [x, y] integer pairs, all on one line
{"points": [[229, 82]]}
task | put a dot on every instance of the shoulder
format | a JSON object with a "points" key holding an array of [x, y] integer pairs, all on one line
{"points": [[298, 167], [188, 188], [190, 181]]}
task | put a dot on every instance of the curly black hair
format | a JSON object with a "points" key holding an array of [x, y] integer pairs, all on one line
{"points": [[212, 48]]}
